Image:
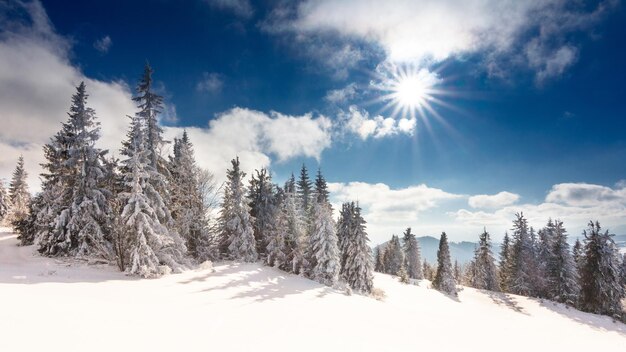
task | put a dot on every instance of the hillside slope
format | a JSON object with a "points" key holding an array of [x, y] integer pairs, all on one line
{"points": [[52, 305]]}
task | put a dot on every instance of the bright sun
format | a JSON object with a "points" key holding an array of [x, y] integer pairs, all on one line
{"points": [[410, 91]]}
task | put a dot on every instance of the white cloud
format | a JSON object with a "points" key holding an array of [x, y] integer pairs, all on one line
{"points": [[493, 201], [241, 8], [574, 203], [340, 96], [388, 210], [586, 195], [359, 122], [103, 44], [434, 30], [210, 83]]}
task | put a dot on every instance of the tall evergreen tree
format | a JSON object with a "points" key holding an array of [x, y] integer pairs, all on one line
{"points": [[262, 208], [19, 196], [324, 258], [394, 256], [379, 255], [151, 246], [601, 288], [485, 275], [277, 250], [578, 255], [358, 270], [412, 255], [150, 106], [81, 226], [504, 269], [5, 203], [522, 260], [444, 278], [321, 188], [344, 229], [304, 190], [186, 201], [545, 255], [236, 223], [562, 276]]}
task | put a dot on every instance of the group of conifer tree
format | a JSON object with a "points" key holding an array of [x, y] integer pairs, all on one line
{"points": [[151, 215], [292, 228], [591, 276]]}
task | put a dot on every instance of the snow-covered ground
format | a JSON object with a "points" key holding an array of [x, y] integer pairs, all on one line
{"points": [[51, 305]]}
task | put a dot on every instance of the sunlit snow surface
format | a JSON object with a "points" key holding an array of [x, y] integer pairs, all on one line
{"points": [[54, 305]]}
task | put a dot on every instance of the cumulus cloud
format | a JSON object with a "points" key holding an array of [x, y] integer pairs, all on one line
{"points": [[210, 83], [359, 122], [389, 210], [433, 30], [37, 80], [493, 201], [574, 203], [240, 8], [103, 44]]}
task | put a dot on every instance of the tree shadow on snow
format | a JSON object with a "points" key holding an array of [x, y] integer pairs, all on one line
{"points": [[504, 299], [594, 321], [260, 283]]}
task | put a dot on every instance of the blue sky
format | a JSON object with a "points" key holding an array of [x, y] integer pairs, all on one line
{"points": [[529, 114]]}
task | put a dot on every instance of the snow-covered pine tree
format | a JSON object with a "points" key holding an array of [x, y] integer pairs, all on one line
{"points": [[403, 275], [545, 248], [379, 255], [624, 270], [19, 196], [262, 208], [304, 190], [522, 261], [324, 251], [5, 203], [321, 188], [344, 229], [412, 255], [394, 256], [150, 106], [601, 290], [444, 278], [358, 271], [485, 276], [236, 222], [27, 227], [428, 271], [562, 276], [186, 201], [578, 255], [276, 250], [152, 247], [504, 270], [457, 271]]}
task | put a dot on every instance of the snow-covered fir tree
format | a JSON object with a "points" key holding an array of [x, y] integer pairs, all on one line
{"points": [[324, 258], [5, 203], [562, 275], [359, 265], [19, 196], [444, 277], [277, 250], [152, 247], [186, 201], [601, 289], [504, 269], [344, 228], [236, 222], [150, 106], [262, 208], [578, 255], [545, 255], [321, 193], [403, 275], [428, 270], [412, 255], [394, 256], [379, 258], [297, 239], [624, 269], [484, 274], [304, 190], [522, 261], [81, 225], [457, 271]]}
